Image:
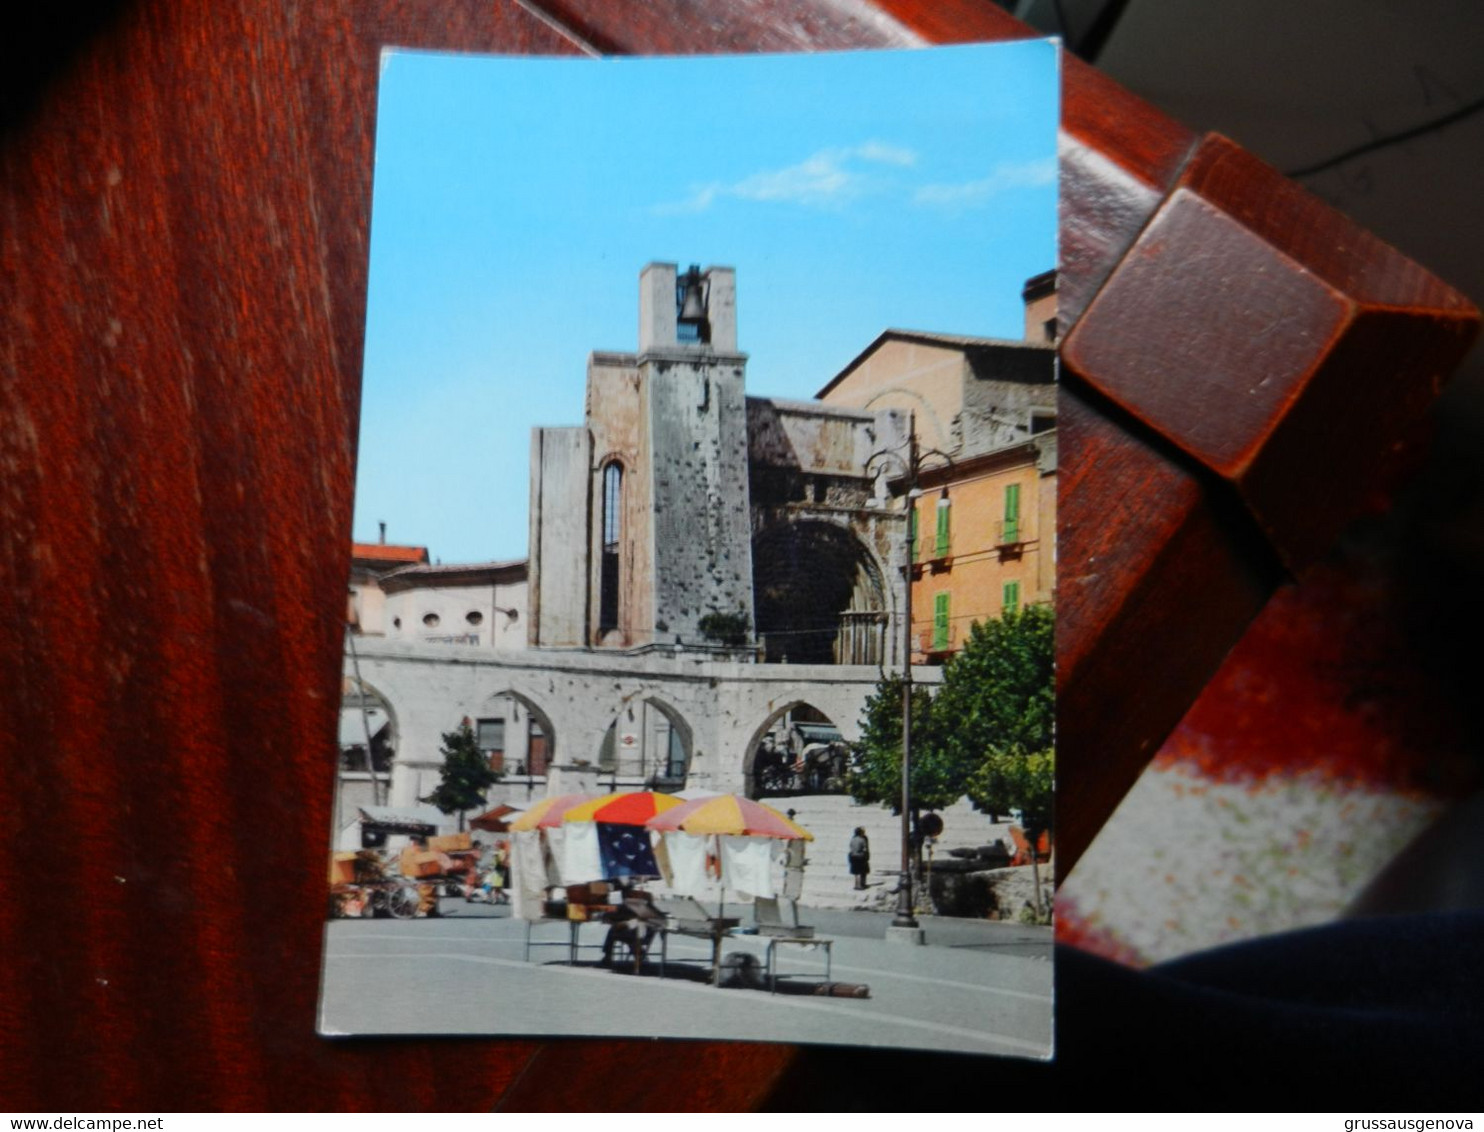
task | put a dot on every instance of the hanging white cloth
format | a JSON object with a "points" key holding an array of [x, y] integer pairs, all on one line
{"points": [[581, 861], [793, 870], [688, 854], [747, 866], [527, 875], [662, 859]]}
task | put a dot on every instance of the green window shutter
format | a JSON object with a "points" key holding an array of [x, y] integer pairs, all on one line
{"points": [[912, 530], [940, 622], [1012, 513], [943, 509], [1012, 596]]}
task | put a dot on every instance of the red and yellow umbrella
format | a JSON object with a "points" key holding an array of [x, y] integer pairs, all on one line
{"points": [[728, 815], [627, 807], [548, 813]]}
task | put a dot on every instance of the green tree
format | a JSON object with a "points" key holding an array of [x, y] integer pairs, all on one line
{"points": [[467, 773], [1000, 693], [998, 707], [876, 771]]}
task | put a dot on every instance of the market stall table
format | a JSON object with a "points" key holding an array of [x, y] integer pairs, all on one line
{"points": [[801, 941], [698, 926]]}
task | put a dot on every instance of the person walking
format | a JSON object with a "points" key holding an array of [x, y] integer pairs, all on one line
{"points": [[859, 856]]}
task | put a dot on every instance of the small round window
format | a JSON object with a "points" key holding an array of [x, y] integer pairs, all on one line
{"points": [[430, 620], [474, 617]]}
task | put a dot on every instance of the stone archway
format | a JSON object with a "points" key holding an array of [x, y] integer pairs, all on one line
{"points": [[649, 743], [517, 736], [818, 595], [367, 748], [798, 749]]}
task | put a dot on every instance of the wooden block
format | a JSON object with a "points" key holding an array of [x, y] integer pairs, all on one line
{"points": [[1154, 585], [1273, 341]]}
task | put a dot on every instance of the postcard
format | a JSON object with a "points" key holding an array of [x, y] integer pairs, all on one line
{"points": [[698, 648]]}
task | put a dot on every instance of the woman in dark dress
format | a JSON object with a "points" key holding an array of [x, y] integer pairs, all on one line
{"points": [[859, 856]]}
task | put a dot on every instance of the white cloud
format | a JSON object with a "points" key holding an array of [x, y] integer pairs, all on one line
{"points": [[886, 154], [828, 177], [968, 194]]}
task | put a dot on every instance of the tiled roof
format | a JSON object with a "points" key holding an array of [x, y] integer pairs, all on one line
{"points": [[384, 552], [966, 342], [508, 572]]}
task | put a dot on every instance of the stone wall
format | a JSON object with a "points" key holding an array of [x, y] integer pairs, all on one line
{"points": [[725, 707], [560, 462], [702, 525]]}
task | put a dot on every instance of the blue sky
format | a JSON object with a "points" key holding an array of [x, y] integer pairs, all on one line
{"points": [[516, 200]]}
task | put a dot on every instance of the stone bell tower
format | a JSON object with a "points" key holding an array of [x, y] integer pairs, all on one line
{"points": [[641, 523], [697, 423]]}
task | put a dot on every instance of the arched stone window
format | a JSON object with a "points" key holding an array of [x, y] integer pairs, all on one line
{"points": [[612, 520]]}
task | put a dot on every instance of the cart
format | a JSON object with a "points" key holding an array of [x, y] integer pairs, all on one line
{"points": [[362, 884]]}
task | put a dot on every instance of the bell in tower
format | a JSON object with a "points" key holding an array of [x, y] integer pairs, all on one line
{"points": [[691, 323]]}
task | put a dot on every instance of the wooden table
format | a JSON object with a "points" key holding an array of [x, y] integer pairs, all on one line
{"points": [[574, 926], [714, 929]]}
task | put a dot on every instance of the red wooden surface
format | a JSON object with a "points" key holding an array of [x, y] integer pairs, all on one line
{"points": [[185, 199]]}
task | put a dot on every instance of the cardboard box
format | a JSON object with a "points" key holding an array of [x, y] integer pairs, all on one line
{"points": [[420, 863], [594, 892], [342, 868], [451, 843]]}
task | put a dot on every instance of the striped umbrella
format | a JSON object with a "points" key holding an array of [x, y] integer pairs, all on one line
{"points": [[548, 813], [627, 807], [728, 815], [618, 837]]}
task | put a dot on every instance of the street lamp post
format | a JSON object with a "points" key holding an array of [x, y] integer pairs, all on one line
{"points": [[904, 917], [904, 924]]}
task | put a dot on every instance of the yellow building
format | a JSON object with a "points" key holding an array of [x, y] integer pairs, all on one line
{"points": [[984, 531], [984, 515]]}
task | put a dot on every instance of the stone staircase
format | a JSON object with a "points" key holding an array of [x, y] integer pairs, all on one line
{"points": [[832, 818]]}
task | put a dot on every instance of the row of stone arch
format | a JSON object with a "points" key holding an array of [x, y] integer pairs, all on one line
{"points": [[649, 741]]}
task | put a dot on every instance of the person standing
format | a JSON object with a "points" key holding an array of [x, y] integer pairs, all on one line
{"points": [[859, 856]]}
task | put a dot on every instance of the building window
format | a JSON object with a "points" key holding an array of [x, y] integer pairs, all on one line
{"points": [[1012, 513], [491, 738], [608, 582], [430, 620], [940, 622], [537, 746], [675, 756], [474, 617], [1011, 597], [942, 545]]}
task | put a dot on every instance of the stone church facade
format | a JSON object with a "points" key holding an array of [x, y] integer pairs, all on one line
{"points": [[683, 514], [705, 569]]}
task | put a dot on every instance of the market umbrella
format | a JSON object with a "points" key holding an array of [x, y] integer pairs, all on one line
{"points": [[613, 828], [728, 815], [547, 813], [627, 807], [722, 817]]}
